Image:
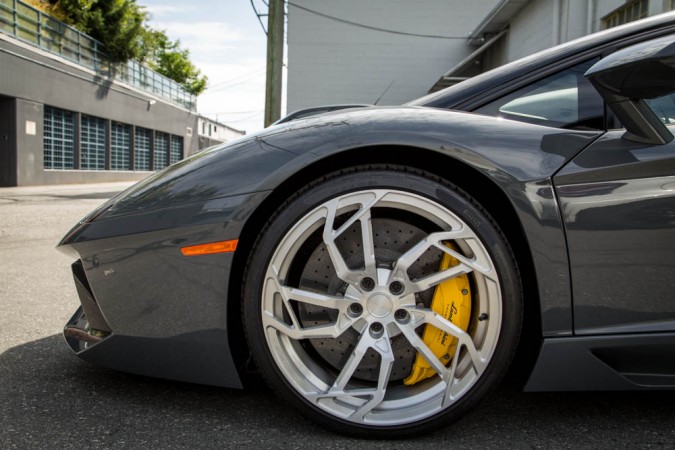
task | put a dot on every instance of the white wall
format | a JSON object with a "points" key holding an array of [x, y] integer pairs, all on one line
{"points": [[531, 30], [217, 131], [331, 62], [539, 26]]}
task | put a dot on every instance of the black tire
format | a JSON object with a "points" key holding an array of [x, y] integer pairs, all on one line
{"points": [[292, 286]]}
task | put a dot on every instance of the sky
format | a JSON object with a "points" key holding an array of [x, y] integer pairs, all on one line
{"points": [[226, 42]]}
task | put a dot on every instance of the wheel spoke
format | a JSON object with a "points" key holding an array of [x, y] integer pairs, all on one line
{"points": [[338, 261], [466, 265], [432, 280], [314, 298], [323, 331], [352, 363], [448, 397], [380, 344], [277, 288], [368, 245], [330, 235], [419, 345], [383, 346], [447, 374], [432, 240], [464, 339]]}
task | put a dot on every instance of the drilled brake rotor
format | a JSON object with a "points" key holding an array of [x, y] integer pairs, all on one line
{"points": [[392, 238]]}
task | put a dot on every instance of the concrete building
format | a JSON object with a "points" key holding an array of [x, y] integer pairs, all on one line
{"points": [[212, 132], [67, 116], [517, 28], [353, 51], [397, 50]]}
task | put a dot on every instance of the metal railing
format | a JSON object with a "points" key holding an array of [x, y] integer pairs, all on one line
{"points": [[31, 25]]}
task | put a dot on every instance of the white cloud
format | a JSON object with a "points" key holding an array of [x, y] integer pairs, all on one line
{"points": [[205, 40], [159, 10], [226, 43]]}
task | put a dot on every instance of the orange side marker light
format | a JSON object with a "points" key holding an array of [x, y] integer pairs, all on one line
{"points": [[210, 248]]}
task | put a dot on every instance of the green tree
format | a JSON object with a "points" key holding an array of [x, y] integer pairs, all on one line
{"points": [[121, 26], [118, 24], [171, 60]]}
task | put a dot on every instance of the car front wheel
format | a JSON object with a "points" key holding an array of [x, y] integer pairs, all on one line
{"points": [[382, 302]]}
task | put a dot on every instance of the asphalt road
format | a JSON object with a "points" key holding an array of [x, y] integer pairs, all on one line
{"points": [[51, 399]]}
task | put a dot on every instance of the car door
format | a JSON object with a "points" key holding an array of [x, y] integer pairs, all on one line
{"points": [[617, 200], [618, 204]]}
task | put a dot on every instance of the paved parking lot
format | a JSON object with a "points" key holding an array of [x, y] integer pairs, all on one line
{"points": [[51, 399]]}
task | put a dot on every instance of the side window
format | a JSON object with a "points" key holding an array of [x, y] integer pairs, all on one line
{"points": [[664, 107], [563, 100]]}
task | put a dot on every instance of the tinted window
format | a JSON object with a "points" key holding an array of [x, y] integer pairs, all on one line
{"points": [[563, 100], [664, 107]]}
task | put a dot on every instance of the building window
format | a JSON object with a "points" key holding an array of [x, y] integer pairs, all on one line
{"points": [[59, 139], [632, 10], [92, 143], [142, 155], [120, 146], [161, 150], [176, 149], [130, 148]]}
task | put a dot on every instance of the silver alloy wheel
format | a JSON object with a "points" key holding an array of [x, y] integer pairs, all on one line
{"points": [[384, 313]]}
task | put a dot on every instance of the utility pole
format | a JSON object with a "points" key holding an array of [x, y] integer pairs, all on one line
{"points": [[275, 55]]}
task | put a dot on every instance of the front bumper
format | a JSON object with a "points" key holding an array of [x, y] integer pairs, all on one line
{"points": [[146, 308]]}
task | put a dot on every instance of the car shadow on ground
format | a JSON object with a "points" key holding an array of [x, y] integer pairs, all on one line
{"points": [[49, 398]]}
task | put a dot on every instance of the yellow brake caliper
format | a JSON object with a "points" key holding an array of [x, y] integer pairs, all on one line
{"points": [[452, 300]]}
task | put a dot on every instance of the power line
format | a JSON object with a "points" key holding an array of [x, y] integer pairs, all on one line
{"points": [[236, 83], [258, 15], [247, 118], [220, 113], [254, 72], [369, 27]]}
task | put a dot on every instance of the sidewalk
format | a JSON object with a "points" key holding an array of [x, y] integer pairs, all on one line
{"points": [[93, 190]]}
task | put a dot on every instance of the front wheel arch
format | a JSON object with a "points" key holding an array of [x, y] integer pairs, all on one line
{"points": [[461, 174]]}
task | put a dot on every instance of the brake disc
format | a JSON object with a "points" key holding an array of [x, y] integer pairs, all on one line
{"points": [[391, 238]]}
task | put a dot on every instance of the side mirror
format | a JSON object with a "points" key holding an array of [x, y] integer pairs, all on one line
{"points": [[629, 76]]}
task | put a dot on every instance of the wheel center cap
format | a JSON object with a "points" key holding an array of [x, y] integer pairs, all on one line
{"points": [[379, 305]]}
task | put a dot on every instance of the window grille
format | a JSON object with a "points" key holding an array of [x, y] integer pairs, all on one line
{"points": [[176, 149], [59, 139], [92, 143], [120, 146], [142, 155], [161, 150]]}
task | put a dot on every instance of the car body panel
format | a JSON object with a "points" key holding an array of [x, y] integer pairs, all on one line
{"points": [[605, 363], [168, 312], [168, 302], [617, 199]]}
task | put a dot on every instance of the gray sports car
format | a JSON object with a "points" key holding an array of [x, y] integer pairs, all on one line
{"points": [[382, 266]]}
